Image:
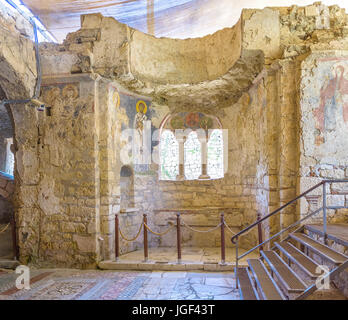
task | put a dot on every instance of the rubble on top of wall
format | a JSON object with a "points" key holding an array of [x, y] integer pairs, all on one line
{"points": [[303, 28], [17, 55]]}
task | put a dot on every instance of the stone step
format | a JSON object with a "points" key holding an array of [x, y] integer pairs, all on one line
{"points": [[335, 232], [8, 264], [164, 266]]}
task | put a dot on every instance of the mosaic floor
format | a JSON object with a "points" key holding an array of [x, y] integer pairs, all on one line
{"points": [[68, 284], [121, 285]]}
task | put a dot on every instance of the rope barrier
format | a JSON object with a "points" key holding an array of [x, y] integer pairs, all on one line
{"points": [[157, 233], [5, 228], [166, 231], [250, 230], [133, 239], [228, 228], [201, 231]]}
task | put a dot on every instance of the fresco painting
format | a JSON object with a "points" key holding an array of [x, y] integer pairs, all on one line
{"points": [[132, 112], [332, 111], [191, 120]]}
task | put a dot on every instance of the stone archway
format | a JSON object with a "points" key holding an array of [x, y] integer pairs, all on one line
{"points": [[18, 79], [6, 182]]}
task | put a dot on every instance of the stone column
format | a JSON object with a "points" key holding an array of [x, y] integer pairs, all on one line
{"points": [[181, 140], [203, 138]]}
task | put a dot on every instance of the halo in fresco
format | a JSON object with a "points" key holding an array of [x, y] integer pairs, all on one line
{"points": [[139, 104]]}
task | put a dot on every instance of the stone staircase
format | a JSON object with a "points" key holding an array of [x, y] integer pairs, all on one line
{"points": [[290, 270]]}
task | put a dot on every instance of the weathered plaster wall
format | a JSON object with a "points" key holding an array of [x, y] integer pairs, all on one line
{"points": [[184, 61], [324, 125]]}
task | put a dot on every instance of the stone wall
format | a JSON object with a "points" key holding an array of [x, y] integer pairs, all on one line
{"points": [[273, 94], [261, 173], [324, 109]]}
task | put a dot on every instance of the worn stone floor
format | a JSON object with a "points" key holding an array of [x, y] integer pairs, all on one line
{"points": [[69, 284], [62, 284]]}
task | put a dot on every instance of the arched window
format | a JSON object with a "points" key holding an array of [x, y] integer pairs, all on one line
{"points": [[192, 157], [186, 153], [169, 156], [216, 155]]}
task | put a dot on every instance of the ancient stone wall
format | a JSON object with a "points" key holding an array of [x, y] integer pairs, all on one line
{"points": [[251, 185], [281, 96], [324, 124]]}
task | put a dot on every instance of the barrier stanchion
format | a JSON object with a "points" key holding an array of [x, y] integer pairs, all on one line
{"points": [[117, 237], [259, 230], [146, 250], [223, 255], [178, 236]]}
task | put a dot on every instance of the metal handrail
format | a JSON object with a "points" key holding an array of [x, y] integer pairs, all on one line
{"points": [[280, 232], [275, 212], [234, 239], [284, 206]]}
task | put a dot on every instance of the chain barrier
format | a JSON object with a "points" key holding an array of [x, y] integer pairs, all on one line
{"points": [[157, 233], [5, 228], [244, 234], [133, 239], [201, 231], [228, 228], [184, 224]]}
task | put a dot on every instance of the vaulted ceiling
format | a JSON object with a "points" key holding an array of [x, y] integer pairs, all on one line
{"points": [[169, 18]]}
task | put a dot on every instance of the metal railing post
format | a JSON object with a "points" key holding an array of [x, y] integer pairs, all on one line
{"points": [[324, 213], [236, 271], [146, 250], [178, 235], [259, 230], [223, 255], [117, 238]]}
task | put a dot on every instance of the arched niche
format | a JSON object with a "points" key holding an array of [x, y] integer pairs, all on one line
{"points": [[18, 80]]}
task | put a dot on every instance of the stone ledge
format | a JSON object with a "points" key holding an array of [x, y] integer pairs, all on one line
{"points": [[166, 266], [8, 264]]}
